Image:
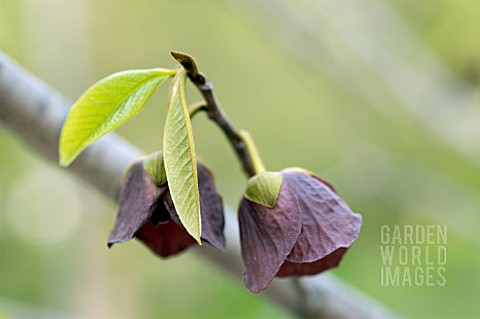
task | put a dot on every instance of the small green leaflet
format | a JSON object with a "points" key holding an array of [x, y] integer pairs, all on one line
{"points": [[153, 165], [179, 158], [105, 106]]}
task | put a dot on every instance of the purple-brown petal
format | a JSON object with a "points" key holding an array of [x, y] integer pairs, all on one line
{"points": [[211, 209], [299, 269], [327, 222], [138, 193], [267, 236]]}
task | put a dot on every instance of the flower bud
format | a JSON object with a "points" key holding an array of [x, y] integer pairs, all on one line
{"points": [[146, 211], [306, 231]]}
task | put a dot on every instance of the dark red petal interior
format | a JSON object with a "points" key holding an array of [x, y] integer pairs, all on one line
{"points": [[165, 239], [296, 269]]}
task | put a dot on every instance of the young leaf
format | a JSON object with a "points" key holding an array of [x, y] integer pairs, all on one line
{"points": [[179, 158], [105, 106]]}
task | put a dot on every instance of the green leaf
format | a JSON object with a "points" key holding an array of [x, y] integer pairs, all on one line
{"points": [[154, 166], [179, 158], [105, 106], [264, 188]]}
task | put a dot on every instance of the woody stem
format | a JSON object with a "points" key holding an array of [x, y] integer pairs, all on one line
{"points": [[247, 154]]}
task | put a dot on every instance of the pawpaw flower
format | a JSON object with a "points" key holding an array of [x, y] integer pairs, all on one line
{"points": [[292, 223], [146, 211]]}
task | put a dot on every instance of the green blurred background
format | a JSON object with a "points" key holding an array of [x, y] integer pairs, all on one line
{"points": [[381, 98]]}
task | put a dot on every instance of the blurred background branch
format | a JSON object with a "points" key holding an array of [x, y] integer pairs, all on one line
{"points": [[378, 57]]}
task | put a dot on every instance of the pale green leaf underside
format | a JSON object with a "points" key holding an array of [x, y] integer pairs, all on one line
{"points": [[105, 106], [179, 158], [264, 188]]}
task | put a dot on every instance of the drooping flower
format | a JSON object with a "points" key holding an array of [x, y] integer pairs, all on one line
{"points": [[292, 223], [146, 211]]}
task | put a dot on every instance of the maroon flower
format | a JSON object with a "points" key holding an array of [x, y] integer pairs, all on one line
{"points": [[306, 230], [146, 211]]}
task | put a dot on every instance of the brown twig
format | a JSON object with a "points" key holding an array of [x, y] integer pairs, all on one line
{"points": [[215, 111]]}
